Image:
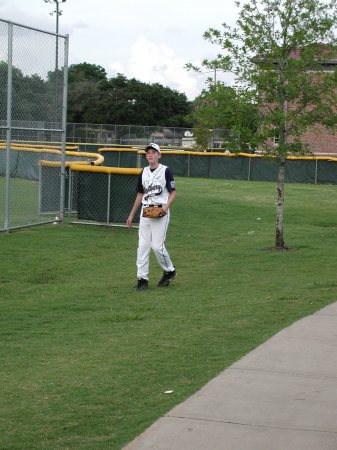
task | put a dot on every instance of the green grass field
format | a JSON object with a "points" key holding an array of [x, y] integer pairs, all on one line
{"points": [[85, 360]]}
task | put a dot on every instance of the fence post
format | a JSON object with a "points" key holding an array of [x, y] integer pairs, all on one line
{"points": [[40, 189], [9, 123], [250, 159], [108, 203], [139, 160], [316, 171], [64, 127], [70, 191]]}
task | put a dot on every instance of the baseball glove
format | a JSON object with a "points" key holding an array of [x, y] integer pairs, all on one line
{"points": [[152, 212]]}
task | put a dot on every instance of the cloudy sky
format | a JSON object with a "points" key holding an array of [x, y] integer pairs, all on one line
{"points": [[150, 40]]}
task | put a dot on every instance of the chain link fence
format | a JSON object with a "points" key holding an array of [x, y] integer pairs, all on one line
{"points": [[129, 135], [93, 195], [105, 196], [33, 85], [88, 135]]}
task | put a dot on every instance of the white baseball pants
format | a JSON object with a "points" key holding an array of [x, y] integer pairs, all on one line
{"points": [[152, 234]]}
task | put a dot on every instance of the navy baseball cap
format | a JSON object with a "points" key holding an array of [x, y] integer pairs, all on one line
{"points": [[154, 146]]}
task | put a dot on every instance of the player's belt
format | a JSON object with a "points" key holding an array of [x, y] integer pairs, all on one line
{"points": [[153, 206]]}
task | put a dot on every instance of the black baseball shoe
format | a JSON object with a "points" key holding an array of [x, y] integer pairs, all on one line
{"points": [[142, 285], [167, 278]]}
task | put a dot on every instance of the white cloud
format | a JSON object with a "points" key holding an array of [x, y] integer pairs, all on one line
{"points": [[157, 63], [139, 39], [18, 14]]}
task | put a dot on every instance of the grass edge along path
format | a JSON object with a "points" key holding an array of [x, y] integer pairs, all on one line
{"points": [[85, 360]]}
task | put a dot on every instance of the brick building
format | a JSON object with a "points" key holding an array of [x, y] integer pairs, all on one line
{"points": [[320, 140]]}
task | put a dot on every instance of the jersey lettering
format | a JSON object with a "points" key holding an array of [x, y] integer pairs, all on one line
{"points": [[152, 191]]}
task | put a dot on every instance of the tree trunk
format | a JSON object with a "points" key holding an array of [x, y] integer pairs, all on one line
{"points": [[283, 140], [279, 241]]}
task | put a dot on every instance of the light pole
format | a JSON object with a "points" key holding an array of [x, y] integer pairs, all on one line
{"points": [[210, 71], [58, 13]]}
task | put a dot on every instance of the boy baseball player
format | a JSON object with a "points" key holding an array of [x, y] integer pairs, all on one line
{"points": [[156, 188]]}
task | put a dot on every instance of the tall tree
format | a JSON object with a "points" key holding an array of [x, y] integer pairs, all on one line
{"points": [[84, 94], [280, 52], [86, 71], [95, 98]]}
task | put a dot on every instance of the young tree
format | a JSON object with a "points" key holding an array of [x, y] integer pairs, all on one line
{"points": [[280, 52]]}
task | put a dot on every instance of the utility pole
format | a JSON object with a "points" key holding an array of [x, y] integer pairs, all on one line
{"points": [[58, 13]]}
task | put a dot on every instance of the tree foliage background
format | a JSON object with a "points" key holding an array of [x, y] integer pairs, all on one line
{"points": [[234, 117], [34, 98], [95, 98]]}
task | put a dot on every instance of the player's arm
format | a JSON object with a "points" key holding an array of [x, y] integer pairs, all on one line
{"points": [[171, 187], [138, 201], [136, 205], [170, 199]]}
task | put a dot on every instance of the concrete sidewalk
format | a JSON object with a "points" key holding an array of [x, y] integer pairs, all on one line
{"points": [[281, 396]]}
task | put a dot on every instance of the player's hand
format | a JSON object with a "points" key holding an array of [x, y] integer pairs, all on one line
{"points": [[129, 221]]}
